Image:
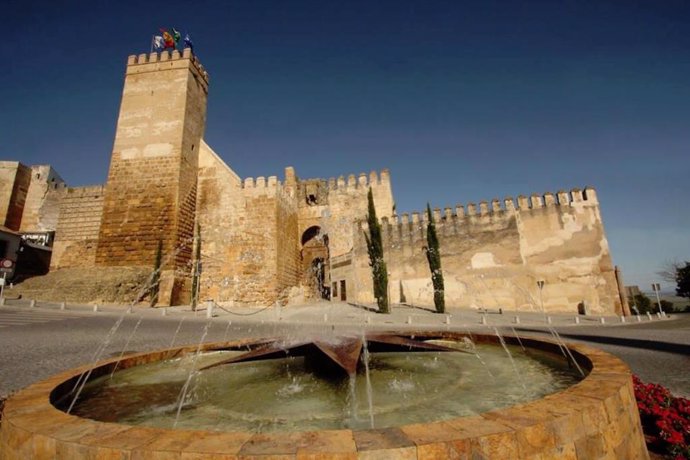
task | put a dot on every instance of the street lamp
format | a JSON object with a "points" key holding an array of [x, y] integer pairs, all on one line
{"points": [[540, 285]]}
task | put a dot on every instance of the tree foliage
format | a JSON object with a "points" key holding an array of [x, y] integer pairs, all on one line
{"points": [[683, 280], [379, 271], [433, 255], [642, 303]]}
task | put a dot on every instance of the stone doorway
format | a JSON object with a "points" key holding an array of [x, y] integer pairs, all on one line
{"points": [[315, 264]]}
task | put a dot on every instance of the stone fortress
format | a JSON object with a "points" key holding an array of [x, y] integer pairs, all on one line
{"points": [[264, 241]]}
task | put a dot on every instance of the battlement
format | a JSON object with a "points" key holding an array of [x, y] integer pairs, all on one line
{"points": [[166, 60], [362, 180], [260, 182], [499, 207]]}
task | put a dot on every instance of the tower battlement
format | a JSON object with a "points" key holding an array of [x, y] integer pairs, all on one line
{"points": [[164, 60]]}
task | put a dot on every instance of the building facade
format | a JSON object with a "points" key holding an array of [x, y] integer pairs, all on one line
{"points": [[263, 240]]}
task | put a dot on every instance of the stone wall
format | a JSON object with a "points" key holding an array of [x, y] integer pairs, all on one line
{"points": [[76, 236], [494, 254], [151, 189], [15, 179], [42, 207], [340, 202]]}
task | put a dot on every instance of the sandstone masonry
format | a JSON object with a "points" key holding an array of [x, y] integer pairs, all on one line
{"points": [[264, 240]]}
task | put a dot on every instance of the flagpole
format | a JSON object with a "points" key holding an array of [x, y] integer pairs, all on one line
{"points": [[152, 38]]}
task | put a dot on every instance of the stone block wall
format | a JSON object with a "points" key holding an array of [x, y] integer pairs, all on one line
{"points": [[152, 181], [151, 189], [287, 257], [15, 180], [343, 201], [494, 254], [42, 207], [76, 236]]}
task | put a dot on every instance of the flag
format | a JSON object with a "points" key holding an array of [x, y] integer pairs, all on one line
{"points": [[168, 39], [176, 35], [158, 42], [188, 42]]}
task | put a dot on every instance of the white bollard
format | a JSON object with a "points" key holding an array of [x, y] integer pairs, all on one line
{"points": [[409, 320], [447, 319], [325, 317], [639, 318], [517, 320], [602, 320], [548, 320], [32, 304], [658, 315], [165, 311], [209, 308], [649, 315], [622, 319], [2, 301], [577, 320], [95, 308], [483, 321], [62, 305]]}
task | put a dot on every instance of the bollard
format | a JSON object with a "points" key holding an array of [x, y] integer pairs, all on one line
{"points": [[129, 309], [602, 320], [62, 305], [639, 318], [649, 315], [577, 320], [409, 320], [483, 321], [209, 308], [165, 311], [2, 301], [95, 308], [622, 319], [447, 319], [658, 315], [325, 317], [517, 320], [32, 304], [548, 320]]}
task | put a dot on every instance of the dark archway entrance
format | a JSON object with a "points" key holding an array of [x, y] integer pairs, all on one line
{"points": [[315, 264]]}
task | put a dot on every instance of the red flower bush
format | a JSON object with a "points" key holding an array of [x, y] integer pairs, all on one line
{"points": [[665, 419]]}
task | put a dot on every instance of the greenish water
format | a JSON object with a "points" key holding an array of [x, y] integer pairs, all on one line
{"points": [[281, 395]]}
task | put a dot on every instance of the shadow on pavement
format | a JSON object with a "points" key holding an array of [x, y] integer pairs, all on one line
{"points": [[622, 341]]}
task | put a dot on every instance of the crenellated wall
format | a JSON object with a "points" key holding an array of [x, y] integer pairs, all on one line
{"points": [[258, 242], [339, 202], [150, 195], [494, 253], [76, 237]]}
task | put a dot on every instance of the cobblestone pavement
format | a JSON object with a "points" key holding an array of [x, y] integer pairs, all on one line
{"points": [[39, 341]]}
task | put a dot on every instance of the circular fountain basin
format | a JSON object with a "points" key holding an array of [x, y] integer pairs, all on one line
{"points": [[595, 417]]}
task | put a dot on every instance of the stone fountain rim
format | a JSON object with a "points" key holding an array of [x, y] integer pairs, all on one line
{"points": [[30, 415]]}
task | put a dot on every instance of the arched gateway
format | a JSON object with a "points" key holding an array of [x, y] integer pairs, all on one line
{"points": [[314, 255]]}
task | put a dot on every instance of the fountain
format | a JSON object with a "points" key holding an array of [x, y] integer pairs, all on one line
{"points": [[371, 395]]}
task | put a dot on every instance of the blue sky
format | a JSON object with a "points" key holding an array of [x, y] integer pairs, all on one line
{"points": [[462, 101]]}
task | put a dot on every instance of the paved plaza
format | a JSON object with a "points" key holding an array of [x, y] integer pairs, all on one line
{"points": [[46, 338]]}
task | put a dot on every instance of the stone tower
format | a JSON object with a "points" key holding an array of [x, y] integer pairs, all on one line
{"points": [[150, 195]]}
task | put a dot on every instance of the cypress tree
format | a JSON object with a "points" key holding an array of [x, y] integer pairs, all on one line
{"points": [[156, 276], [379, 271], [433, 255]]}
